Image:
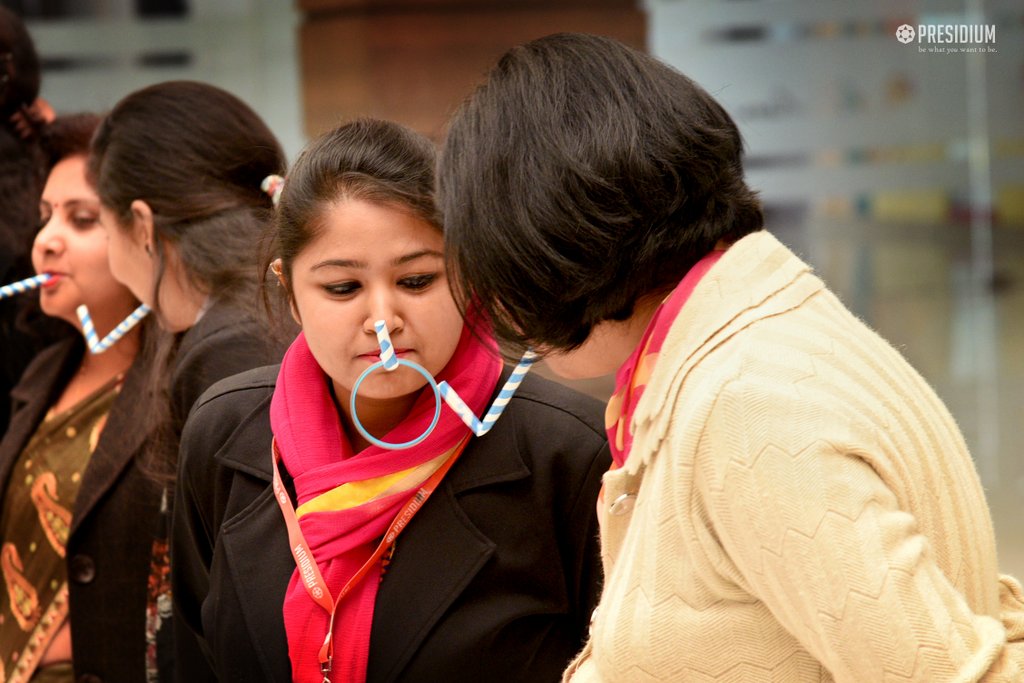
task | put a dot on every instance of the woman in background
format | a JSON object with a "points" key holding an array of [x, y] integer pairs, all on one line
{"points": [[178, 167], [77, 510]]}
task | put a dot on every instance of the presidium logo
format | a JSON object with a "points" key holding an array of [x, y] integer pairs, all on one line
{"points": [[949, 38]]}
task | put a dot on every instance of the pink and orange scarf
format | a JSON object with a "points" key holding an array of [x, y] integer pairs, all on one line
{"points": [[635, 372], [347, 500]]}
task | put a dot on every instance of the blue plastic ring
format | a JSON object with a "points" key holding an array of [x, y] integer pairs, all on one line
{"points": [[406, 444]]}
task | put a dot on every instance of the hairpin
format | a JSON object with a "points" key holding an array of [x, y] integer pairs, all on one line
{"points": [[273, 184]]}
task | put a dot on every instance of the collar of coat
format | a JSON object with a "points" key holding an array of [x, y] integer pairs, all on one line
{"points": [[757, 277], [123, 435]]}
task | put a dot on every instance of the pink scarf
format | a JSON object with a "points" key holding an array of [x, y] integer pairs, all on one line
{"points": [[342, 536], [632, 377]]}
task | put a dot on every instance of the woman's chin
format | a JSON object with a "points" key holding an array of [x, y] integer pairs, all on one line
{"points": [[54, 309], [388, 395], [390, 387]]}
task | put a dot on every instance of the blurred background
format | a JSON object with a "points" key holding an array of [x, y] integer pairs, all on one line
{"points": [[896, 169]]}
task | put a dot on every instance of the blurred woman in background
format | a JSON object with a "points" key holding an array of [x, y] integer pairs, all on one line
{"points": [[77, 513]]}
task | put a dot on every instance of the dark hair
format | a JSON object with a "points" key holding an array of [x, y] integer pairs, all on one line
{"points": [[376, 161], [68, 136], [582, 176], [196, 155], [19, 65], [24, 329], [21, 169]]}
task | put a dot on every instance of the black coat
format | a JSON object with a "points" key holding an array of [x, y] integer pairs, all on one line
{"points": [[494, 579], [115, 517]]}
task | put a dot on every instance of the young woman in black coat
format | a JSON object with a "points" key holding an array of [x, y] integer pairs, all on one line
{"points": [[494, 576]]}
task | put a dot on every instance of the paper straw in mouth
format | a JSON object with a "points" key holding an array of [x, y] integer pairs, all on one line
{"points": [[22, 286]]}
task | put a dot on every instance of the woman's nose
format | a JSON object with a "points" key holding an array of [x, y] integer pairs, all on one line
{"points": [[48, 240], [383, 307]]}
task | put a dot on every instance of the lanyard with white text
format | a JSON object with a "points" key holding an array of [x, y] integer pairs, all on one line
{"points": [[312, 579]]}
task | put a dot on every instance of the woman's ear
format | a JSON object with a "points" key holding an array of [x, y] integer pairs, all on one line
{"points": [[142, 225]]}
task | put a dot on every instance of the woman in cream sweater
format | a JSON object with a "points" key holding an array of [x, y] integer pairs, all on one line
{"points": [[790, 501]]}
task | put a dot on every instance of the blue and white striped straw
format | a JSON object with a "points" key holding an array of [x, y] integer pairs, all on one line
{"points": [[387, 350], [92, 340], [450, 396], [456, 403], [22, 286], [481, 427]]}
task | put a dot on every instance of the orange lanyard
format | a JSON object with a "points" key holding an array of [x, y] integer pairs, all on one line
{"points": [[312, 579]]}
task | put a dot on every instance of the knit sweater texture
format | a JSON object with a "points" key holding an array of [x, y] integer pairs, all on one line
{"points": [[798, 505]]}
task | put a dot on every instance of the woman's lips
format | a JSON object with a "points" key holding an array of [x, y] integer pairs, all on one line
{"points": [[375, 355], [54, 279]]}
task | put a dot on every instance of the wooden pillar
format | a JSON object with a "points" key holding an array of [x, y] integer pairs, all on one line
{"points": [[414, 62]]}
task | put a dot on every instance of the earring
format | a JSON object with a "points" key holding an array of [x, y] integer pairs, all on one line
{"points": [[276, 269]]}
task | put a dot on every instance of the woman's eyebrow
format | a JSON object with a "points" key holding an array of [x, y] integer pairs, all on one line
{"points": [[353, 263], [73, 202], [340, 263], [417, 254]]}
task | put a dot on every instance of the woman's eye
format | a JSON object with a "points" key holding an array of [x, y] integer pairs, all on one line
{"points": [[418, 282], [85, 221], [45, 213], [342, 288]]}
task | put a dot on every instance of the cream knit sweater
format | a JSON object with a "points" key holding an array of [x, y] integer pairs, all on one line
{"points": [[805, 507]]}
